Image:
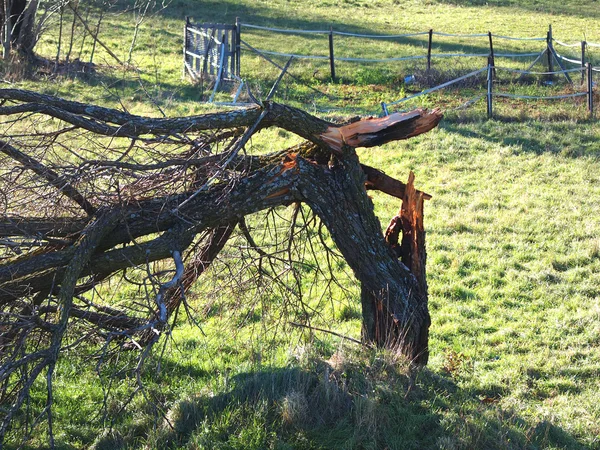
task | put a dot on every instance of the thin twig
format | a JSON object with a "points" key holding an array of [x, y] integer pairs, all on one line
{"points": [[87, 28], [279, 78], [310, 327], [245, 138]]}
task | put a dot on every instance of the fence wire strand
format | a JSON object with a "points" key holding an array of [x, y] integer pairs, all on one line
{"points": [[576, 44], [510, 38], [539, 97], [381, 36], [528, 72], [564, 44], [569, 60], [441, 86], [439, 33]]}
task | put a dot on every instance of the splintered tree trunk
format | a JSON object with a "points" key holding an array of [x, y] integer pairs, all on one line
{"points": [[407, 226], [394, 303]]}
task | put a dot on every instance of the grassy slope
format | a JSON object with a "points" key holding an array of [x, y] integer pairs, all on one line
{"points": [[514, 258]]}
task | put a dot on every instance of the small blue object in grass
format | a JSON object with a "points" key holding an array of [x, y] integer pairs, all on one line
{"points": [[409, 79], [385, 110]]}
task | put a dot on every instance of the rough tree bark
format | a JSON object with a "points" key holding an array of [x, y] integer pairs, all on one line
{"points": [[89, 193], [17, 18]]}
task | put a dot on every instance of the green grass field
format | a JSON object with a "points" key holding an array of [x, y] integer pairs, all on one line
{"points": [[513, 234]]}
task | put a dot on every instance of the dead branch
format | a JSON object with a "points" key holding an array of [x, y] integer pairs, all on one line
{"points": [[323, 330], [90, 194], [365, 133], [94, 35]]}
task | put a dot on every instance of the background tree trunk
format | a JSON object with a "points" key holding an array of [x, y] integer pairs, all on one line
{"points": [[17, 18]]}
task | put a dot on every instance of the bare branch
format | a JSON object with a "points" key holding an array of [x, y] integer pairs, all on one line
{"points": [[376, 179], [323, 330], [95, 35], [162, 189], [49, 175]]}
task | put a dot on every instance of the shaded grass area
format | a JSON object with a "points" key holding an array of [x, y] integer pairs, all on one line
{"points": [[353, 399], [294, 408], [513, 262]]}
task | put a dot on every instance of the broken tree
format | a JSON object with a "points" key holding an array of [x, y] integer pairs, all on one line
{"points": [[90, 193]]}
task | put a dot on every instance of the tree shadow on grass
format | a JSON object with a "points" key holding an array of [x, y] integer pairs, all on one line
{"points": [[110, 86], [559, 137], [572, 8], [375, 405]]}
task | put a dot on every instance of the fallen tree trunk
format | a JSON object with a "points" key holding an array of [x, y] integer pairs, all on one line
{"points": [[90, 193]]}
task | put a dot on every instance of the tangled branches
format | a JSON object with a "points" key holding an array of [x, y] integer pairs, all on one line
{"points": [[93, 199]]}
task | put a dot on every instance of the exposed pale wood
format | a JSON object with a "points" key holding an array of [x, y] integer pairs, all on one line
{"points": [[376, 132]]}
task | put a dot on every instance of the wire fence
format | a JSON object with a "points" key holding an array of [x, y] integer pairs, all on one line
{"points": [[554, 64], [198, 39], [491, 93], [428, 55]]}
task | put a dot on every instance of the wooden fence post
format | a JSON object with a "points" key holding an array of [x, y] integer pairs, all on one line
{"points": [[238, 39], [491, 58], [590, 72], [583, 44], [185, 44], [331, 58], [489, 90], [429, 49], [550, 53]]}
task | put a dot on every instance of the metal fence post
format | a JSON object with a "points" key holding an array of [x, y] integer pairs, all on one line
{"points": [[429, 49], [590, 86], [489, 91], [583, 44], [385, 110], [549, 53], [331, 58], [491, 57], [238, 38]]}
